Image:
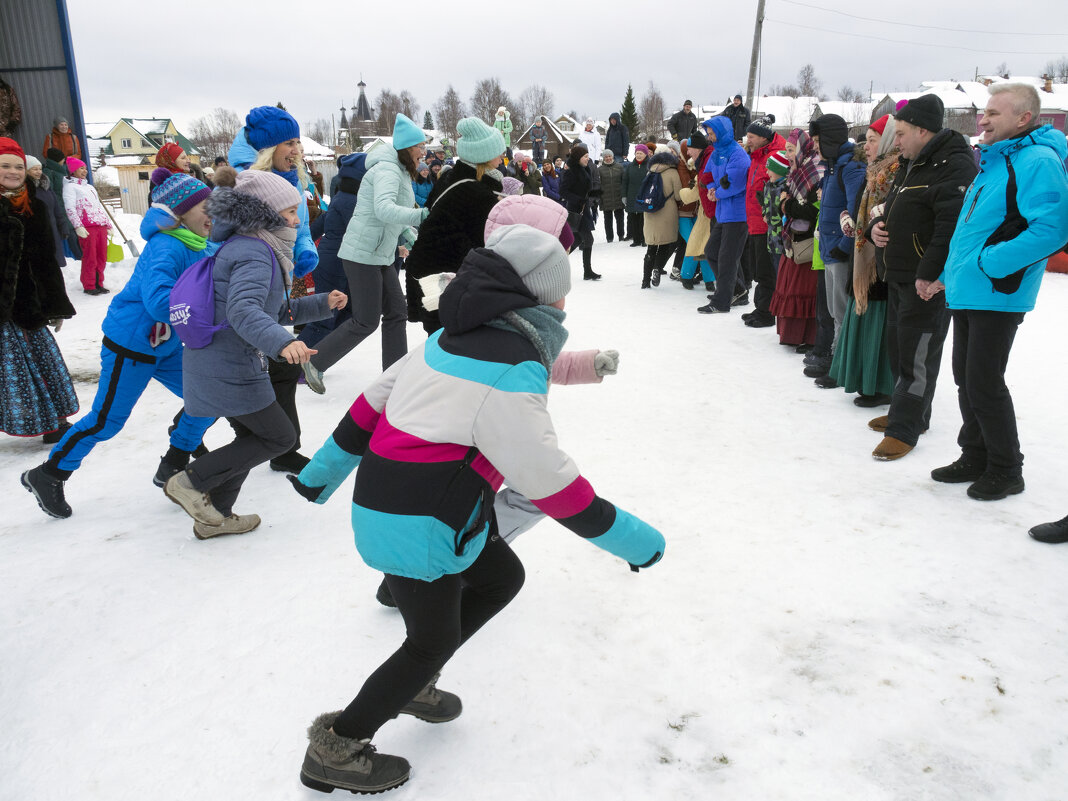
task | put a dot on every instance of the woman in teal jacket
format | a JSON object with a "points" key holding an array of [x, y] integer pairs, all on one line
{"points": [[379, 229]]}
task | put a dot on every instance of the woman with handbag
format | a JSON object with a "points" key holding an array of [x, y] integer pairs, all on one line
{"points": [[576, 187], [794, 301]]}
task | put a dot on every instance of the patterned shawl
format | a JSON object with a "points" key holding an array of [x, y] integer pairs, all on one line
{"points": [[880, 175], [808, 167]]}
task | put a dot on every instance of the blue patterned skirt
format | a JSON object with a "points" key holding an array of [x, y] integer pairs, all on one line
{"points": [[36, 392]]}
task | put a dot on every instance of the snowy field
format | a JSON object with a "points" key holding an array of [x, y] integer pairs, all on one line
{"points": [[823, 626]]}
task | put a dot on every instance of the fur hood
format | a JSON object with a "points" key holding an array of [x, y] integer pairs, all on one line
{"points": [[669, 160], [234, 212]]}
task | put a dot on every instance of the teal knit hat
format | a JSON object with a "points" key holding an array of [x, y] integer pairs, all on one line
{"points": [[406, 133], [478, 142]]}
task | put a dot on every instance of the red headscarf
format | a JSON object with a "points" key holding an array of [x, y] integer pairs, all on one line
{"points": [[168, 155]]}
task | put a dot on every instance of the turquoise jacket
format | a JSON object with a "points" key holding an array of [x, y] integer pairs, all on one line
{"points": [[385, 209], [1038, 159]]}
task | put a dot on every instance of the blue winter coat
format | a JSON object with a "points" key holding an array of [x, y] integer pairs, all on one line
{"points": [[241, 156], [1038, 159], [842, 185], [730, 160], [331, 273], [229, 376], [385, 210], [550, 184], [146, 298], [422, 191]]}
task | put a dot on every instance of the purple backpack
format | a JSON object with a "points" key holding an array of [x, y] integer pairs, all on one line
{"points": [[192, 312]]}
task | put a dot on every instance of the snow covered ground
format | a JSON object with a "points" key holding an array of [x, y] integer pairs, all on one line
{"points": [[823, 626]]}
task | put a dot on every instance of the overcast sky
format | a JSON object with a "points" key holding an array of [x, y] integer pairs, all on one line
{"points": [[181, 60]]}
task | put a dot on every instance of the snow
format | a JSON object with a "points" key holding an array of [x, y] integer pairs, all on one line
{"points": [[788, 111], [823, 626], [313, 150], [107, 175]]}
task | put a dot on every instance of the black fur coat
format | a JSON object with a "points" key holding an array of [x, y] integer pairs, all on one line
{"points": [[32, 291]]}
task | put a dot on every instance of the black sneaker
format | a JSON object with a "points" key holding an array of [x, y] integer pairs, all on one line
{"points": [[993, 486], [818, 369], [165, 471], [871, 401], [760, 319], [826, 382], [290, 462], [710, 309], [384, 596], [1054, 533], [740, 299], [48, 491], [960, 472]]}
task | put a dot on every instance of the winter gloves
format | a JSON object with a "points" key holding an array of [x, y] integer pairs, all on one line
{"points": [[606, 363], [81, 232]]}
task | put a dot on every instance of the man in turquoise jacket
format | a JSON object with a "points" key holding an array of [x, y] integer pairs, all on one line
{"points": [[1014, 216]]}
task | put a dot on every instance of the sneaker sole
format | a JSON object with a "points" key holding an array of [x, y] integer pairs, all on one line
{"points": [[33, 492], [212, 532], [326, 787]]}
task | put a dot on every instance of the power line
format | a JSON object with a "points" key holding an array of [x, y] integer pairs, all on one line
{"points": [[918, 44], [913, 25]]}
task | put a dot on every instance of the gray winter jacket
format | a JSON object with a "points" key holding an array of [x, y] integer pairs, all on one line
{"points": [[229, 376]]}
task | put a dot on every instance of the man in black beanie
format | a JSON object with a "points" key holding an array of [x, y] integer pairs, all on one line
{"points": [[915, 226], [739, 116]]}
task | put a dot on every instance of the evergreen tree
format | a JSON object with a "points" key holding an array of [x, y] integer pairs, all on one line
{"points": [[628, 114], [428, 122], [279, 105]]}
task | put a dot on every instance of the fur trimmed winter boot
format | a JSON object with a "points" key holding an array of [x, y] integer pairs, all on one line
{"points": [[333, 761], [434, 705]]}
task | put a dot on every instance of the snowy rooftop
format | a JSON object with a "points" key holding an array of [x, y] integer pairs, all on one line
{"points": [[98, 130], [852, 113], [795, 111], [313, 149]]}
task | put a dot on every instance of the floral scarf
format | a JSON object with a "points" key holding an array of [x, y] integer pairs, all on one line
{"points": [[880, 175], [808, 167]]}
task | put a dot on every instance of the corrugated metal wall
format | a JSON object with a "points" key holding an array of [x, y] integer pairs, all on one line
{"points": [[34, 62]]}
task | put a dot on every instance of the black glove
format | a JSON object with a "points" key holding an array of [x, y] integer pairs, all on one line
{"points": [[725, 182], [309, 493]]}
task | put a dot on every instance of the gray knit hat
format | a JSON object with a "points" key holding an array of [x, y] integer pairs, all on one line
{"points": [[538, 257], [274, 190]]}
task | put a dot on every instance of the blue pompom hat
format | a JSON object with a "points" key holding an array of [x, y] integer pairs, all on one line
{"points": [[406, 133], [267, 126], [178, 191]]}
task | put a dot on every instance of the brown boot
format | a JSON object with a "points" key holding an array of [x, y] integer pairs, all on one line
{"points": [[890, 449], [879, 423]]}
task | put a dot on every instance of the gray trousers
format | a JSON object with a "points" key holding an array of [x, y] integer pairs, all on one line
{"points": [[836, 274], [374, 294]]}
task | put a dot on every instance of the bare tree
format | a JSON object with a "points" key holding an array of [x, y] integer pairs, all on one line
{"points": [[807, 82], [409, 105], [533, 101], [387, 106], [782, 90], [850, 95], [214, 133], [1058, 70], [320, 130], [488, 96], [1002, 69], [448, 111], [651, 112]]}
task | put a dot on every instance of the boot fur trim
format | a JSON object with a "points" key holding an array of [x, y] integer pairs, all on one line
{"points": [[329, 744]]}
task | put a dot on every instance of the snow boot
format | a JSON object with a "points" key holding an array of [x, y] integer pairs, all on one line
{"points": [[993, 486], [434, 705], [1054, 533], [687, 283], [232, 524], [48, 490], [647, 271], [879, 423], [345, 763], [196, 504]]}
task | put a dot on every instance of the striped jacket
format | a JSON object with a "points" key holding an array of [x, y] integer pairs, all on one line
{"points": [[442, 429]]}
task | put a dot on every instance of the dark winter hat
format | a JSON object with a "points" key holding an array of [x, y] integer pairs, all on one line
{"points": [[178, 191], [422, 165], [267, 126], [833, 133], [762, 126], [925, 111], [779, 163], [687, 102], [59, 121], [55, 154], [737, 97], [698, 140]]}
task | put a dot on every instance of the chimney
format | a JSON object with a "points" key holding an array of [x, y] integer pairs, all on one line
{"points": [[1048, 85]]}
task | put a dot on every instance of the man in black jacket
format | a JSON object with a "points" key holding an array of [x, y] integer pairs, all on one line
{"points": [[617, 137], [682, 123], [739, 117], [914, 227]]}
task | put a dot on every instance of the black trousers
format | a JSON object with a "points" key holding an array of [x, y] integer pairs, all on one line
{"points": [[261, 436], [726, 241], [636, 228], [608, 216], [915, 333], [824, 319], [760, 268], [439, 617], [982, 341], [284, 380]]}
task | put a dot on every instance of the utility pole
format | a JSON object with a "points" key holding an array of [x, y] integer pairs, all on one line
{"points": [[756, 55]]}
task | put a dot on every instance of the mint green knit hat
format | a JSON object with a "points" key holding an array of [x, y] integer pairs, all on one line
{"points": [[406, 133], [478, 142]]}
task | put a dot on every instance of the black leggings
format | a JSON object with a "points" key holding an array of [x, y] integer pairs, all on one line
{"points": [[439, 617]]}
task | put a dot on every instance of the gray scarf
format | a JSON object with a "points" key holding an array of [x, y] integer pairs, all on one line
{"points": [[542, 325], [281, 241]]}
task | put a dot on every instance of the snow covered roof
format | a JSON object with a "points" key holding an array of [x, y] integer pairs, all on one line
{"points": [[313, 149], [98, 130], [552, 131], [94, 147], [852, 113], [788, 111], [123, 161], [151, 125]]}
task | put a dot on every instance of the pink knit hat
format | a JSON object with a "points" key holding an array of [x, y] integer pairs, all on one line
{"points": [[74, 164], [274, 190]]}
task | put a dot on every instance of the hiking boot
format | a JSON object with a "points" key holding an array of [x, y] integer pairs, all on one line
{"points": [[826, 382], [959, 472], [891, 449], [879, 423], [747, 315], [292, 462], [993, 486], [48, 491], [710, 309], [740, 299], [870, 401], [760, 319], [345, 763], [197, 504], [52, 437], [314, 376], [1054, 533], [384, 596], [234, 524], [434, 705]]}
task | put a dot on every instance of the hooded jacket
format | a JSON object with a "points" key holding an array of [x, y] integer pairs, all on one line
{"points": [[330, 274], [229, 377], [633, 175], [922, 207], [841, 186], [504, 125], [423, 498], [728, 164], [662, 225], [1038, 160], [617, 137], [754, 186]]}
